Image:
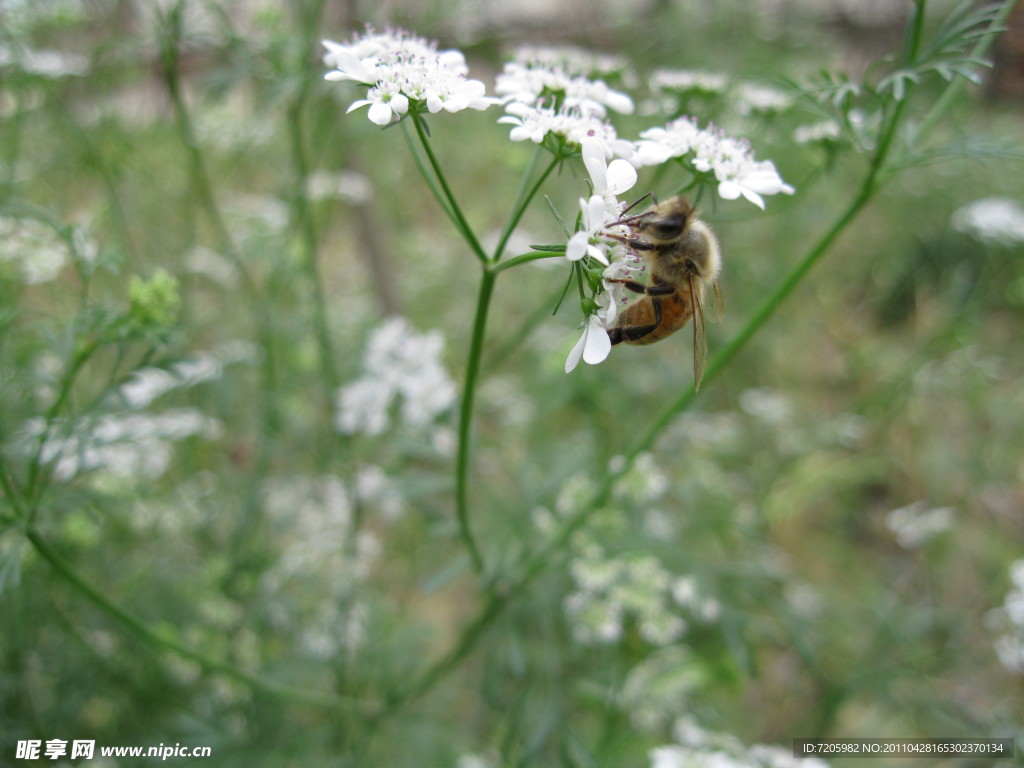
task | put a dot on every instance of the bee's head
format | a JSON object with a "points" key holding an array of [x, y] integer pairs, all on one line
{"points": [[666, 222]]}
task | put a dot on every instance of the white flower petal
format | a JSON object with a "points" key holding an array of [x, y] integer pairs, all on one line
{"points": [[577, 351], [380, 113], [728, 190], [621, 176], [597, 344], [594, 160], [577, 246], [399, 104], [596, 253], [593, 213], [753, 197]]}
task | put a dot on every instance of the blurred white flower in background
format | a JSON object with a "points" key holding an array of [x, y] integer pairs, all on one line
{"points": [[917, 523], [825, 132], [996, 220], [755, 99], [1007, 622], [399, 363], [30, 250], [128, 446], [536, 80], [699, 747]]}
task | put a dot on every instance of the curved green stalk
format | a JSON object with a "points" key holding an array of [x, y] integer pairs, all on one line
{"points": [[523, 200], [476, 345], [453, 209]]}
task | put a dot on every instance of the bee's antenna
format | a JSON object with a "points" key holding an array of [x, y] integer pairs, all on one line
{"points": [[633, 205]]}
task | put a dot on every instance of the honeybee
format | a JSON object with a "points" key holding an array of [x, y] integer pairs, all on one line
{"points": [[685, 259]]}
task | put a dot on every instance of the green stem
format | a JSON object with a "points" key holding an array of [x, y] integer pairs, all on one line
{"points": [[525, 258], [452, 208], [32, 483], [523, 200], [425, 173], [476, 344]]}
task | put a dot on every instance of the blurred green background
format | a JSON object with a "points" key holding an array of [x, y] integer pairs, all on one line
{"points": [[835, 520]]}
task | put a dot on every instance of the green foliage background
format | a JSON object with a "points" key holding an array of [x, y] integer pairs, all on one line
{"points": [[145, 609]]}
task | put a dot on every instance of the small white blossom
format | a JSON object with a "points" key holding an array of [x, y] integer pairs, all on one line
{"points": [[535, 123], [401, 70], [731, 161], [593, 346]]}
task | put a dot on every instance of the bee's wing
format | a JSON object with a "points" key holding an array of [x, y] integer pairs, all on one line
{"points": [[700, 342], [717, 303]]}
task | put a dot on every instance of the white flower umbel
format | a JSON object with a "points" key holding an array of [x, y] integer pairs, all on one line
{"points": [[403, 70], [535, 83], [728, 160], [570, 125]]}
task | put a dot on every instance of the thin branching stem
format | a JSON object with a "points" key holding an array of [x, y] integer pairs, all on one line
{"points": [[452, 208]]}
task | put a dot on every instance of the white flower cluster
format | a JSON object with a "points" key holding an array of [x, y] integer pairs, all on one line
{"points": [[398, 361], [403, 69], [710, 151], [547, 92], [996, 220], [311, 519], [1008, 621], [697, 746], [611, 589], [545, 79]]}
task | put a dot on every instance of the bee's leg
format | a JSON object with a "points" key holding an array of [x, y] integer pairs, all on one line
{"points": [[632, 242], [647, 290], [621, 333]]}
